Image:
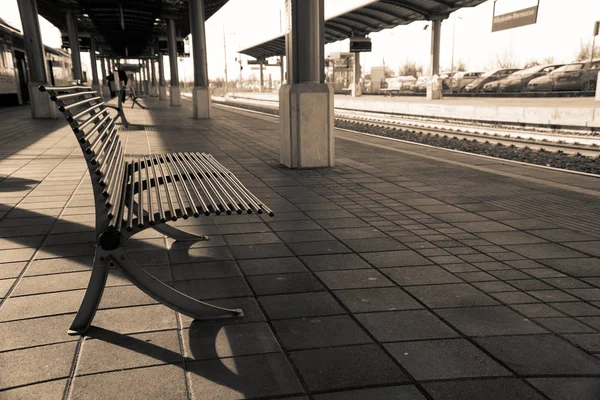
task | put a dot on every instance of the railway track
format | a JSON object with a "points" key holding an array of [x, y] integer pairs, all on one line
{"points": [[570, 144]]}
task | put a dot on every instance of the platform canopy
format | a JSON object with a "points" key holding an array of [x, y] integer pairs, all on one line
{"points": [[123, 28], [371, 17]]}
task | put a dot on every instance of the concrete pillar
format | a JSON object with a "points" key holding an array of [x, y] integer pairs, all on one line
{"points": [[282, 63], [306, 101], [162, 87], [201, 92], [175, 91], [154, 91], [262, 78], [94, 62], [74, 43], [104, 87], [41, 106], [436, 31], [356, 88], [148, 78]]}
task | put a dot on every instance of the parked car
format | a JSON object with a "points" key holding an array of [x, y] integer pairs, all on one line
{"points": [[491, 76], [462, 79], [581, 75], [491, 87], [421, 84], [519, 80]]}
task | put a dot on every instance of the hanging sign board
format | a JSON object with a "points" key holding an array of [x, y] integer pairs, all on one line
{"points": [[515, 19]]}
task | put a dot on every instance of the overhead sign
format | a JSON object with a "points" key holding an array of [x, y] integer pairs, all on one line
{"points": [[360, 44], [515, 19]]}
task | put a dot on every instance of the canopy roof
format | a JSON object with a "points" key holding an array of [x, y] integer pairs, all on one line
{"points": [[372, 17], [124, 28]]}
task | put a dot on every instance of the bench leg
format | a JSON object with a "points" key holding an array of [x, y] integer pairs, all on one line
{"points": [[91, 299], [170, 297], [178, 234]]}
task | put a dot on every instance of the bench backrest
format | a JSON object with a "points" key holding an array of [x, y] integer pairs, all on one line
{"points": [[98, 136]]}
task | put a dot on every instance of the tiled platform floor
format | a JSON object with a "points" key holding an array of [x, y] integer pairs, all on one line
{"points": [[394, 275]]}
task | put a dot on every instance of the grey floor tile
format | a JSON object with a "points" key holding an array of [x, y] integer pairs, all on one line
{"points": [[207, 339], [300, 305], [306, 333], [284, 283], [580, 388], [402, 258], [262, 266], [452, 295], [489, 320], [445, 359], [353, 279], [377, 299], [404, 392], [37, 364], [165, 381], [540, 355], [425, 275], [243, 377], [486, 389], [346, 367], [395, 326], [334, 262]]}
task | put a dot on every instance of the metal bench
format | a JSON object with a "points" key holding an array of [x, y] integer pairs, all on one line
{"points": [[133, 195]]}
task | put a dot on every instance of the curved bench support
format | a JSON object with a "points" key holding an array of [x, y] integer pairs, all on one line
{"points": [[92, 297], [178, 234]]}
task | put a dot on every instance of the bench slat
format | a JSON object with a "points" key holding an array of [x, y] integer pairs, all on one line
{"points": [[173, 182], [118, 221], [150, 207], [161, 211], [167, 190], [185, 181], [69, 106]]}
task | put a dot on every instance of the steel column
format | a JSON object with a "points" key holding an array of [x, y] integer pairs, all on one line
{"points": [[436, 30], [94, 61], [41, 106], [305, 42], [74, 43], [162, 90], [262, 78], [172, 44], [356, 90], [198, 32]]}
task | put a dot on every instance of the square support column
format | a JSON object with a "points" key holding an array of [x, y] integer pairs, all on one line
{"points": [[306, 101], [201, 91], [40, 103], [175, 91], [356, 88]]}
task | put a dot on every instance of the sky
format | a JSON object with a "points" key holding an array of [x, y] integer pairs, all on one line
{"points": [[561, 27]]}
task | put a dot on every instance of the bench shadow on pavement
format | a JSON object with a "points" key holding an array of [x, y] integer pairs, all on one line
{"points": [[201, 335]]}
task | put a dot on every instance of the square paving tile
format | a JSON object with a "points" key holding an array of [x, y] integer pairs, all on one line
{"points": [[322, 247], [486, 321], [353, 279], [206, 339], [284, 283], [405, 325], [578, 267], [50, 390], [346, 367], [374, 244], [445, 359], [334, 262], [356, 233], [544, 251], [579, 388], [300, 305], [452, 295], [36, 364], [401, 258], [484, 389], [262, 266], [306, 333], [426, 275], [404, 392], [540, 355], [165, 381], [377, 299], [511, 237], [110, 351], [260, 251]]}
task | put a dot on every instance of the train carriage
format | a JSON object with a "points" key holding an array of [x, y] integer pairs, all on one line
{"points": [[14, 75]]}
